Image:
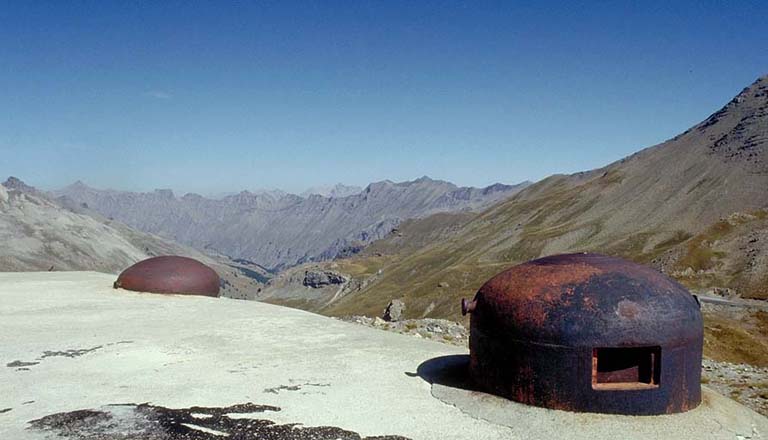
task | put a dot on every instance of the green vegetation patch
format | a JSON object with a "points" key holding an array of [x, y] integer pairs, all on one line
{"points": [[728, 340], [250, 273], [699, 253]]}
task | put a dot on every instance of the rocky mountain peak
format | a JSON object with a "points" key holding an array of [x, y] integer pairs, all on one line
{"points": [[165, 193], [499, 187], [79, 187], [378, 186], [336, 191], [14, 183], [738, 132]]}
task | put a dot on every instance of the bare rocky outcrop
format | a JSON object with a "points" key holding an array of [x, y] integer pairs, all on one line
{"points": [[4, 196], [15, 184], [317, 278], [394, 311]]}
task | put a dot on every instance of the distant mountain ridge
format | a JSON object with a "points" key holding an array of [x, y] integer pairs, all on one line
{"points": [[336, 191], [40, 233], [278, 230]]}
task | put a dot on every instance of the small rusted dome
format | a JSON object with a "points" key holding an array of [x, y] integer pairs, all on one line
{"points": [[588, 332], [170, 274]]}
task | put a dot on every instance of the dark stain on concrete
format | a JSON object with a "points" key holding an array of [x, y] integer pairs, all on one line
{"points": [[151, 422], [5, 410], [16, 364], [70, 422]]}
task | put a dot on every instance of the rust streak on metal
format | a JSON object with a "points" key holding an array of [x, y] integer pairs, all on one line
{"points": [[539, 285], [586, 332]]}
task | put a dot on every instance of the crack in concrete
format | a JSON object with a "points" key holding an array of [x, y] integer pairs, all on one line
{"points": [[298, 387], [70, 353]]}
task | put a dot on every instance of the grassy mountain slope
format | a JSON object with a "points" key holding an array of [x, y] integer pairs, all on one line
{"points": [[666, 206]]}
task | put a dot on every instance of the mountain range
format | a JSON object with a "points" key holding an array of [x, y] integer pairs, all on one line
{"points": [[40, 233], [695, 207], [278, 230]]}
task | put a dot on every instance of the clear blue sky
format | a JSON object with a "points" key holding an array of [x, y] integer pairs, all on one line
{"points": [[219, 96]]}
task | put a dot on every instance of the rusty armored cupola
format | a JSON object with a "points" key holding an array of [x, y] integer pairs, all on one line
{"points": [[587, 332], [170, 274]]}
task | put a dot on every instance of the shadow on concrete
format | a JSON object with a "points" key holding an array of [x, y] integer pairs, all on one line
{"points": [[450, 371]]}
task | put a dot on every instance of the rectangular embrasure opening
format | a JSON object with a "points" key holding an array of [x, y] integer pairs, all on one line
{"points": [[626, 368]]}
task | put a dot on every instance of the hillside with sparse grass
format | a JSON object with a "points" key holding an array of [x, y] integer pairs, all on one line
{"points": [[693, 206]]}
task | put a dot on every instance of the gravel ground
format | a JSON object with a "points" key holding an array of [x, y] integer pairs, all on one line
{"points": [[741, 382], [440, 330]]}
